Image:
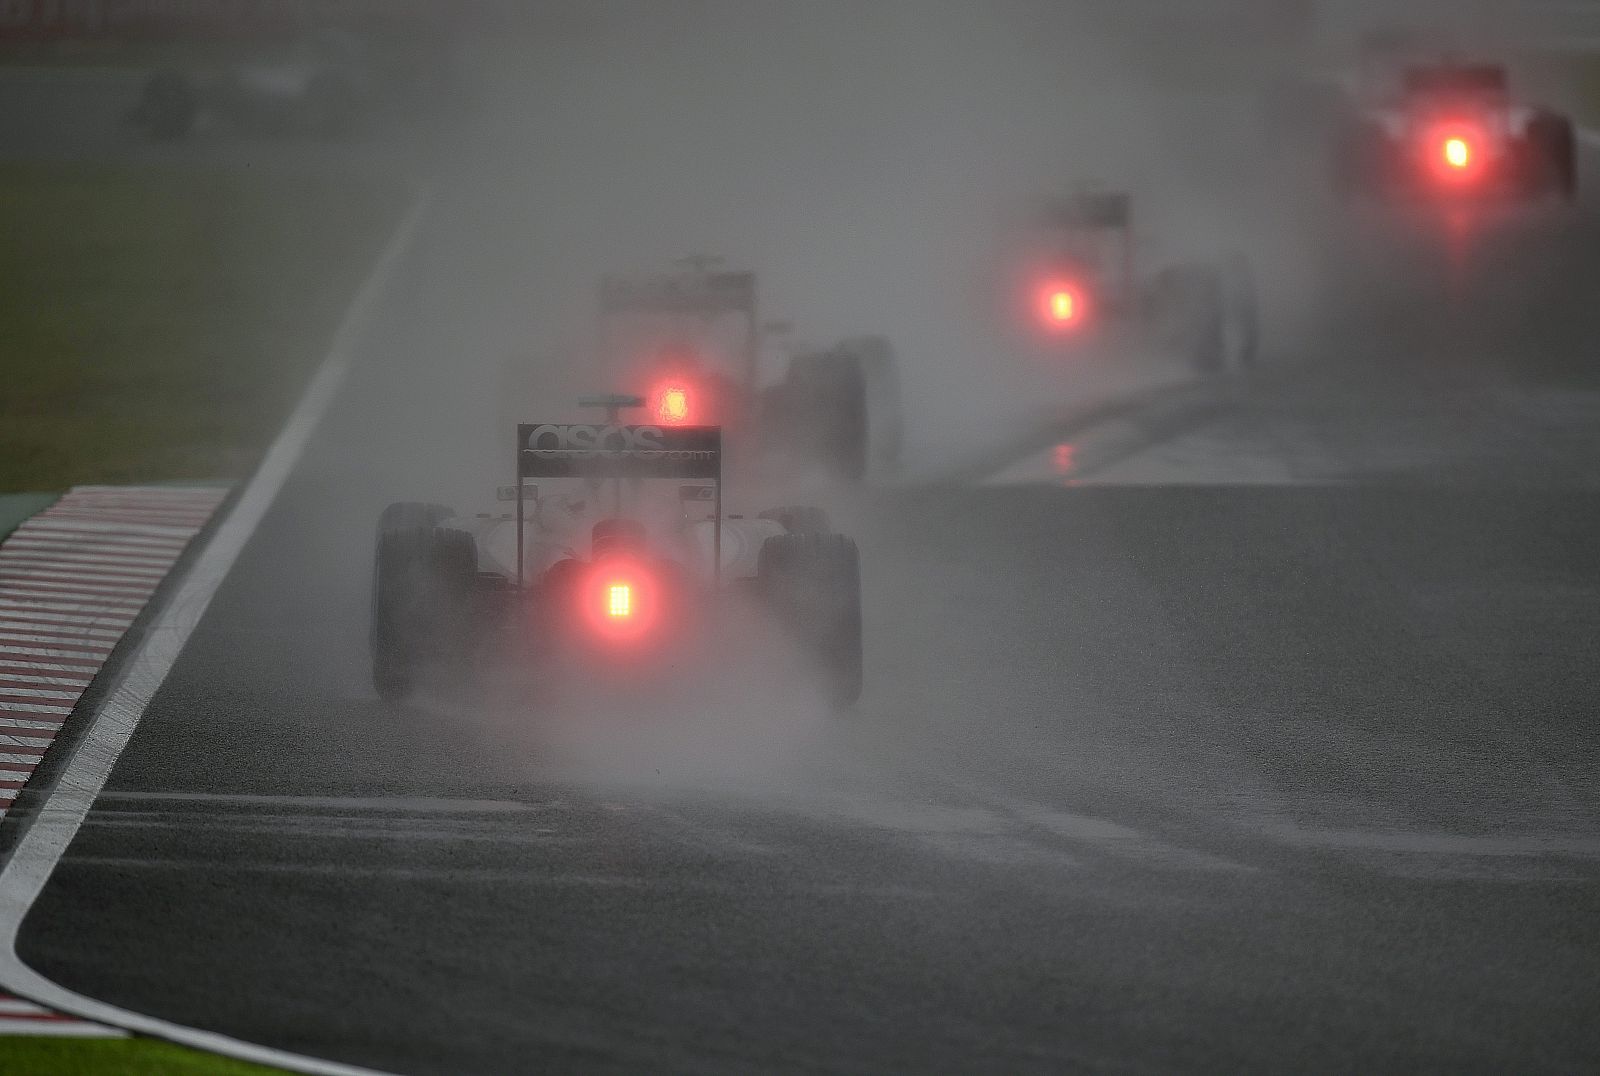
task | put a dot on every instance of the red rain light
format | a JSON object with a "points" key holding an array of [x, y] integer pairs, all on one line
{"points": [[1061, 305], [672, 405], [619, 600], [1455, 153]]}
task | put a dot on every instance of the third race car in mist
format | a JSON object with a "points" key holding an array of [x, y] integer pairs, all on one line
{"points": [[691, 339], [612, 559], [1084, 290], [1453, 132]]}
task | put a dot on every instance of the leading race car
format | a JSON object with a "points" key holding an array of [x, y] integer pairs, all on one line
{"points": [[1453, 132], [1084, 290], [620, 572], [692, 339]]}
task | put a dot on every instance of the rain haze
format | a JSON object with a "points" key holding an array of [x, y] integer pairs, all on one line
{"points": [[889, 535]]}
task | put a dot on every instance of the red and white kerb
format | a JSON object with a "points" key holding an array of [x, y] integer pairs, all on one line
{"points": [[72, 579]]}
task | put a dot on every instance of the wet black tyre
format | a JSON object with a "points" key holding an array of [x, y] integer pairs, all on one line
{"points": [[828, 393], [1242, 316], [812, 585], [880, 379], [421, 586], [1208, 329], [1553, 164]]}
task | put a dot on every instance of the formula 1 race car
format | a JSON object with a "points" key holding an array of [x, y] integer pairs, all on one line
{"points": [[324, 85], [620, 572], [1084, 291], [693, 340], [1453, 132]]}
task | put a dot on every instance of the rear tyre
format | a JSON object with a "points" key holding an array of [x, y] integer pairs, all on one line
{"points": [[841, 408], [826, 397], [1215, 313], [1242, 316], [812, 585], [421, 587], [1553, 164], [880, 379]]}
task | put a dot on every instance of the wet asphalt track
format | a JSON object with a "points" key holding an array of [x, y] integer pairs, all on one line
{"points": [[1181, 775]]}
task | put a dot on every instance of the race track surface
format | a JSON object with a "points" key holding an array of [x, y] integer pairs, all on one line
{"points": [[1266, 746]]}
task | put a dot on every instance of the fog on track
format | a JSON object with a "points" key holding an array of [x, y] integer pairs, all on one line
{"points": [[1219, 777], [871, 163]]}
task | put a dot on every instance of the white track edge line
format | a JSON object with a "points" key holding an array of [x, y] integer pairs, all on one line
{"points": [[111, 726]]}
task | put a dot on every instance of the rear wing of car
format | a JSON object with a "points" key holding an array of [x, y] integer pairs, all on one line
{"points": [[1455, 80], [613, 450], [1101, 221], [705, 293], [1098, 210], [699, 293]]}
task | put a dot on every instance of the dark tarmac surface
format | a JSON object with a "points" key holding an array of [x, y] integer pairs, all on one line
{"points": [[1274, 752], [1171, 794]]}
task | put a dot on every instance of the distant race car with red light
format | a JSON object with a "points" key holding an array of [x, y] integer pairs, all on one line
{"points": [[1082, 289], [692, 341], [610, 556], [1453, 132]]}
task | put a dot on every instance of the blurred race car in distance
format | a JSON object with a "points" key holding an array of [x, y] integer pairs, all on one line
{"points": [[605, 576], [691, 338], [1084, 289], [330, 82], [1453, 132]]}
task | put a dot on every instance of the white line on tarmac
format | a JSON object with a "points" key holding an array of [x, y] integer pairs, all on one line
{"points": [[113, 724]]}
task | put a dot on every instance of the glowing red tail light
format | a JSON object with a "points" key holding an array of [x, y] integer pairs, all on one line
{"points": [[672, 405], [1457, 153], [1062, 305], [619, 600]]}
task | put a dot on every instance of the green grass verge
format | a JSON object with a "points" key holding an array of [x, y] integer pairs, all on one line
{"points": [[159, 323], [115, 1057]]}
